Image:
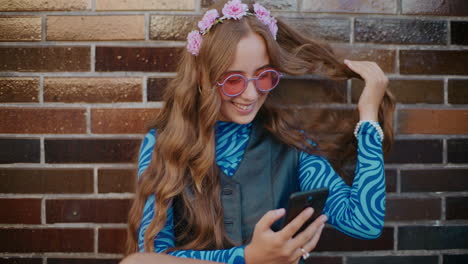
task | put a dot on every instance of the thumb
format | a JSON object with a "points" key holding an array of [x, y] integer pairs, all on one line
{"points": [[269, 218]]}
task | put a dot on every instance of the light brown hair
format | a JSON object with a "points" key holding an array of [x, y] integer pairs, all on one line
{"points": [[183, 159]]}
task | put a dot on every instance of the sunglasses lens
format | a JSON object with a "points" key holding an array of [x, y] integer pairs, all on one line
{"points": [[234, 85], [267, 80]]}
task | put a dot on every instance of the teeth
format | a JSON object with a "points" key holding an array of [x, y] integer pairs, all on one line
{"points": [[243, 107]]}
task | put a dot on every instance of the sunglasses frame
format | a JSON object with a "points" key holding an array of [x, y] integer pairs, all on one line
{"points": [[246, 81]]}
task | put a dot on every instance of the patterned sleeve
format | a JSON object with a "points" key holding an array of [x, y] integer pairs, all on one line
{"points": [[165, 238], [359, 210]]}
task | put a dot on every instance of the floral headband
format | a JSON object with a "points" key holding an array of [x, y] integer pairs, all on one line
{"points": [[233, 9]]}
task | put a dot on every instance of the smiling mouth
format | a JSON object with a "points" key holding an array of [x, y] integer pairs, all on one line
{"points": [[243, 106]]}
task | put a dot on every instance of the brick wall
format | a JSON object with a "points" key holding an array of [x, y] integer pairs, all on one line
{"points": [[80, 78]]}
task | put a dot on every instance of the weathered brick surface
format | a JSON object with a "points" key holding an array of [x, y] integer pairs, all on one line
{"points": [[80, 81]]}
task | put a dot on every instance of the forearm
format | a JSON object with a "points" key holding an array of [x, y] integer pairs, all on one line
{"points": [[153, 258]]}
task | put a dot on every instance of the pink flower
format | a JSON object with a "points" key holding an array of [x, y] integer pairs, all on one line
{"points": [[262, 13], [235, 9], [273, 27], [194, 41], [208, 20]]}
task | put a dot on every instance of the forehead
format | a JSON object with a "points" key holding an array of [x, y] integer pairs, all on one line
{"points": [[251, 54]]}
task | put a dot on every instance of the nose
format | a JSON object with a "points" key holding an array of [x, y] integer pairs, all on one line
{"points": [[250, 93]]}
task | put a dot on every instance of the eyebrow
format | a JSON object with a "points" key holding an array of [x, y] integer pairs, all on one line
{"points": [[263, 67]]}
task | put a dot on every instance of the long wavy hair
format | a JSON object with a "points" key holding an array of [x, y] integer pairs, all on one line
{"points": [[183, 161]]}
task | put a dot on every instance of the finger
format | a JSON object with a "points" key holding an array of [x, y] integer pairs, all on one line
{"points": [[305, 236], [313, 242], [269, 218], [359, 67], [290, 229]]}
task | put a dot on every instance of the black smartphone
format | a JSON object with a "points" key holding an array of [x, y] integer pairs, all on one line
{"points": [[299, 201]]}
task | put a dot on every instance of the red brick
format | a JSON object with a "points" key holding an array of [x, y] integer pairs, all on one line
{"points": [[18, 89], [437, 62], [46, 240], [112, 240], [87, 211], [116, 180], [42, 120], [40, 180], [45, 59], [433, 121], [20, 211], [121, 121]]}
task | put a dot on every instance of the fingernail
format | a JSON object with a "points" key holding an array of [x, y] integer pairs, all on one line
{"points": [[309, 211], [280, 211], [346, 61]]}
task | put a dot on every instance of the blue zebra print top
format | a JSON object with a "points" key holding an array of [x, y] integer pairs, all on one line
{"points": [[357, 211]]}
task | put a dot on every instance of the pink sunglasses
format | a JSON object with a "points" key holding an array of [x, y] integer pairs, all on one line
{"points": [[236, 83]]}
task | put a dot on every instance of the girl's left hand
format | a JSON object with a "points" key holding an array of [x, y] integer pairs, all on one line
{"points": [[375, 85]]}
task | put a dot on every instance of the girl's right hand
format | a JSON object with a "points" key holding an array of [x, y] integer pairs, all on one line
{"points": [[280, 247]]}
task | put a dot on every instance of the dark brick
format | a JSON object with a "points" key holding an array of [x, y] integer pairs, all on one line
{"points": [[122, 120], [415, 151], [14, 260], [404, 209], [13, 90], [116, 181], [306, 91], [456, 208], [334, 240], [432, 237], [434, 62], [45, 59], [156, 88], [323, 260], [47, 240], [434, 180], [87, 211], [112, 240], [400, 31], [390, 180], [91, 150], [147, 59], [457, 150], [394, 260], [19, 150], [455, 259], [408, 91], [384, 58], [82, 261], [43, 120], [435, 7], [20, 211], [459, 32], [329, 29], [46, 180], [457, 91]]}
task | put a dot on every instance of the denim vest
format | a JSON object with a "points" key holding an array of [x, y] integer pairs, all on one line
{"points": [[263, 181]]}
